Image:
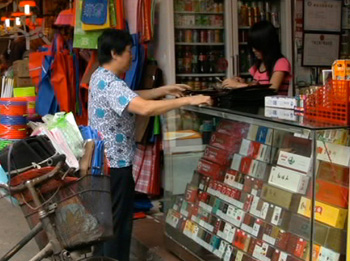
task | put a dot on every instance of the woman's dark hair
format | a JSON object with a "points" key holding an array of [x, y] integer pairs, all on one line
{"points": [[263, 37], [112, 40]]}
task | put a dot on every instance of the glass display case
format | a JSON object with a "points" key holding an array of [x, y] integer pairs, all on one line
{"points": [[241, 186]]}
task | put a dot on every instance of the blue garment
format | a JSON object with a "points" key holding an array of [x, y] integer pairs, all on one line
{"points": [[109, 97]]}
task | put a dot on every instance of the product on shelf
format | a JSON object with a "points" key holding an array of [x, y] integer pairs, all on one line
{"points": [[280, 197], [290, 180], [325, 213]]}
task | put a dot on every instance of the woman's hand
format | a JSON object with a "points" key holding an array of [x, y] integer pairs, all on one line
{"points": [[234, 83], [176, 90], [200, 100]]}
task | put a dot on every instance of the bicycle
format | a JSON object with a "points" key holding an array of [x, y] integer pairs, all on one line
{"points": [[46, 214]]}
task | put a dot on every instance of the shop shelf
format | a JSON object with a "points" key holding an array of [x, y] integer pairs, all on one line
{"points": [[209, 13], [210, 44], [200, 74], [199, 27]]}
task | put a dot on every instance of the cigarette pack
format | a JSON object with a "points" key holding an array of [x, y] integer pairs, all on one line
{"points": [[294, 161], [331, 193], [333, 173], [216, 155], [210, 169], [289, 179], [327, 214], [326, 254], [241, 240], [264, 135], [262, 251], [225, 142], [278, 217], [280, 197]]}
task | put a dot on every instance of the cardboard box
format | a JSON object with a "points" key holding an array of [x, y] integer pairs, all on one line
{"points": [[263, 251], [216, 155], [264, 135], [253, 186], [278, 217], [21, 68], [238, 129], [241, 240], [331, 193], [253, 130], [234, 179], [236, 162], [280, 197], [339, 154], [297, 246], [289, 180], [294, 161], [23, 81], [336, 240], [210, 169], [326, 254], [225, 142], [259, 208], [333, 173], [253, 226], [301, 226], [279, 101], [324, 213]]}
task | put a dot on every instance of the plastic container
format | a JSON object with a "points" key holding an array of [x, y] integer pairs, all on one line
{"points": [[330, 103]]}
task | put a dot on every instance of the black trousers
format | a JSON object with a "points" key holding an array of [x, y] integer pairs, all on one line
{"points": [[122, 193]]}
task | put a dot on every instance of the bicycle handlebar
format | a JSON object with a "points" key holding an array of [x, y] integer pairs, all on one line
{"points": [[34, 181]]}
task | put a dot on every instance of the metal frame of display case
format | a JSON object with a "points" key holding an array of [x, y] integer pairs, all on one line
{"points": [[304, 128]]}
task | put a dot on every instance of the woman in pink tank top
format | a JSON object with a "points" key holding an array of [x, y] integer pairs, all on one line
{"points": [[271, 67]]}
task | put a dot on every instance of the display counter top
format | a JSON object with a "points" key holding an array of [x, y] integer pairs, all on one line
{"points": [[277, 117]]}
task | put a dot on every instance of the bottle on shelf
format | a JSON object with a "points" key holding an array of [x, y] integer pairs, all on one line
{"points": [[179, 36], [197, 84], [190, 82], [256, 12], [244, 15], [274, 18], [196, 6], [188, 5], [203, 5], [180, 5], [204, 84], [187, 60], [211, 62], [210, 83], [202, 62], [179, 60], [267, 11], [211, 36], [194, 60], [195, 36], [204, 36]]}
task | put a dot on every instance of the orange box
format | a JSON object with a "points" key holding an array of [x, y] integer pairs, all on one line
{"points": [[331, 193]]}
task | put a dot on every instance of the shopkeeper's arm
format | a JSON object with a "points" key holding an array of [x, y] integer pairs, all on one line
{"points": [[157, 93], [144, 107], [277, 80]]}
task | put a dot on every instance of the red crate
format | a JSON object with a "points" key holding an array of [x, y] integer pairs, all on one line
{"points": [[330, 103]]}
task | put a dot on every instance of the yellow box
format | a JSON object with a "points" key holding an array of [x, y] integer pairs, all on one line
{"points": [[327, 214], [339, 70]]}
